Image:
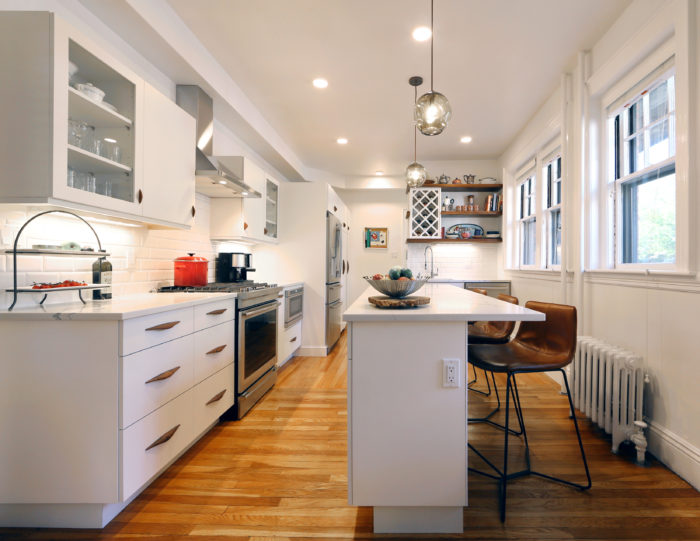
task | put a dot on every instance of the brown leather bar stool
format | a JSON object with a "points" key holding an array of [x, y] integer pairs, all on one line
{"points": [[471, 324], [542, 346], [478, 290], [492, 332]]}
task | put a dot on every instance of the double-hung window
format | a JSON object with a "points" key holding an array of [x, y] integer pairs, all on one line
{"points": [[642, 169], [552, 177], [528, 233]]}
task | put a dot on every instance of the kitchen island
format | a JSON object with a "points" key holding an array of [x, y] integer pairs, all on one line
{"points": [[407, 406]]}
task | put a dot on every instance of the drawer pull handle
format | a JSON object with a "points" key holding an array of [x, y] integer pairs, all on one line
{"points": [[217, 312], [163, 326], [164, 375], [293, 339], [216, 350], [165, 437], [216, 397]]}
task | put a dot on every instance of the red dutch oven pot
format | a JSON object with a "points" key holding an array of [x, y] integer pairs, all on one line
{"points": [[191, 271]]}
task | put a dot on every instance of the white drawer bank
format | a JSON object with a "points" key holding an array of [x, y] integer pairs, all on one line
{"points": [[97, 400]]}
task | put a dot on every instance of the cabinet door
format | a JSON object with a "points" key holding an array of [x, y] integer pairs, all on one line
{"points": [[105, 156], [254, 208], [168, 160], [272, 199]]}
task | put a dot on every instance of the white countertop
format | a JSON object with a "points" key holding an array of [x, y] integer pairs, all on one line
{"points": [[460, 280], [115, 309], [447, 303]]}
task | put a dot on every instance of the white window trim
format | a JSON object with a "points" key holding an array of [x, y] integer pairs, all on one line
{"points": [[613, 224], [666, 34], [551, 156], [530, 173]]}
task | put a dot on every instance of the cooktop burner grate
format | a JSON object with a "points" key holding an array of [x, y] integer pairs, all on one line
{"points": [[217, 287]]}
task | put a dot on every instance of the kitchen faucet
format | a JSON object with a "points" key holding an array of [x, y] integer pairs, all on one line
{"points": [[432, 260]]}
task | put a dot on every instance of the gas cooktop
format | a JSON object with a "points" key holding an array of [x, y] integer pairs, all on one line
{"points": [[219, 287]]}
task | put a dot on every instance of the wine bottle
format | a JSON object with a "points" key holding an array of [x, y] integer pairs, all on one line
{"points": [[102, 274]]}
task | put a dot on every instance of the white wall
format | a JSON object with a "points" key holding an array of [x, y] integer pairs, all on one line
{"points": [[300, 255], [373, 208], [653, 315]]}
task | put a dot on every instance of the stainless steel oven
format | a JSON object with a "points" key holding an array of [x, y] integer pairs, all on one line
{"points": [[293, 305], [257, 350]]}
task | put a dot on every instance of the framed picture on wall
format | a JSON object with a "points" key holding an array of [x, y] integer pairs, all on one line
{"points": [[376, 237]]}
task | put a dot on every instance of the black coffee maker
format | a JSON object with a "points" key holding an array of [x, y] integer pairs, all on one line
{"points": [[233, 266]]}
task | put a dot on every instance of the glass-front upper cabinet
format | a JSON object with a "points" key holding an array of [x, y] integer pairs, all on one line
{"points": [[271, 208], [72, 137]]}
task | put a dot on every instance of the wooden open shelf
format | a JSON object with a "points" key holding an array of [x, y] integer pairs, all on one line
{"points": [[471, 213], [466, 187], [457, 241]]}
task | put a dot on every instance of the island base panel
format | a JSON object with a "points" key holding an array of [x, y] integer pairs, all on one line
{"points": [[418, 519]]}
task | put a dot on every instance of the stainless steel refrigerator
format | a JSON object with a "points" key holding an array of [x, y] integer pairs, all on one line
{"points": [[334, 258]]}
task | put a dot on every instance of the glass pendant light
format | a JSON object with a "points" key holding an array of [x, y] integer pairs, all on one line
{"points": [[415, 172], [433, 111]]}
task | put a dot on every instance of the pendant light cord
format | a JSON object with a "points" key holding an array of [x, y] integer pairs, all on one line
{"points": [[432, 37], [415, 128]]}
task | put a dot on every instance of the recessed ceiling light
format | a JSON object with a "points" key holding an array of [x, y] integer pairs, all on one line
{"points": [[244, 193], [465, 139], [222, 182], [379, 173], [421, 33], [320, 83], [341, 141]]}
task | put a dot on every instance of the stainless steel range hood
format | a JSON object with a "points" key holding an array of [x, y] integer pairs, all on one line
{"points": [[217, 176]]}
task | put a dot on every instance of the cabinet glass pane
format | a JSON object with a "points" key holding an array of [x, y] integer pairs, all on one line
{"points": [[101, 106], [271, 204]]}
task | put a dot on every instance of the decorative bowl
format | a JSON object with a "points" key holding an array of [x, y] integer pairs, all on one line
{"points": [[397, 288]]}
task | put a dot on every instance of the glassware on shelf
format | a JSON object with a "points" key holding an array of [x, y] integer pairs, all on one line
{"points": [[71, 177], [91, 183], [88, 139], [111, 149], [97, 146], [104, 187]]}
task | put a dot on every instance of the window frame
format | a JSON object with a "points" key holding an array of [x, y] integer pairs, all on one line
{"points": [[614, 170], [549, 209], [529, 176]]}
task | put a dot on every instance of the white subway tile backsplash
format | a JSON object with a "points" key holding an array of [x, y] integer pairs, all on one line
{"points": [[142, 259]]}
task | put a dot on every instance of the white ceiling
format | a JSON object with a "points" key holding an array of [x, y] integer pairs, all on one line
{"points": [[496, 60]]}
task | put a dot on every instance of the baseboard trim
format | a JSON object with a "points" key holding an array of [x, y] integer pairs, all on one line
{"points": [[312, 351], [679, 455]]}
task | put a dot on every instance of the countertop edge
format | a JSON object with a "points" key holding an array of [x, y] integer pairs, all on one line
{"points": [[53, 312]]}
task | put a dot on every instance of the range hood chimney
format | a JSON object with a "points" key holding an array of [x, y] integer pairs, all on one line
{"points": [[223, 176]]}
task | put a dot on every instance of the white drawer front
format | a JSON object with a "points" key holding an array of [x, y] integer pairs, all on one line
{"points": [[152, 377], [214, 313], [289, 342], [148, 331], [148, 445], [213, 397], [214, 349]]}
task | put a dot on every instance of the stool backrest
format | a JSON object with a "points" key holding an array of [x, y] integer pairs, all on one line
{"points": [[554, 336], [504, 328], [478, 290]]}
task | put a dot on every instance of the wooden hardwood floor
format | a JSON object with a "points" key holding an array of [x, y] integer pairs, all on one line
{"points": [[281, 473]]}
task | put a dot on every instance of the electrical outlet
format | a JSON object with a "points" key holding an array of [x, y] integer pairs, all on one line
{"points": [[450, 372]]}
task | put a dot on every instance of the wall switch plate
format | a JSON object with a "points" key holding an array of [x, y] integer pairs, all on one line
{"points": [[450, 372]]}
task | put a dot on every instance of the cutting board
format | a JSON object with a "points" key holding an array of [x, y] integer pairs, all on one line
{"points": [[382, 301]]}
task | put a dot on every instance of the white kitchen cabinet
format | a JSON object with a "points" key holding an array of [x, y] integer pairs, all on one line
{"points": [[36, 103], [247, 218], [335, 204], [110, 411], [168, 160]]}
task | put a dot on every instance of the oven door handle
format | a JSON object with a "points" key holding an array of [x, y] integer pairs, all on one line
{"points": [[266, 308]]}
